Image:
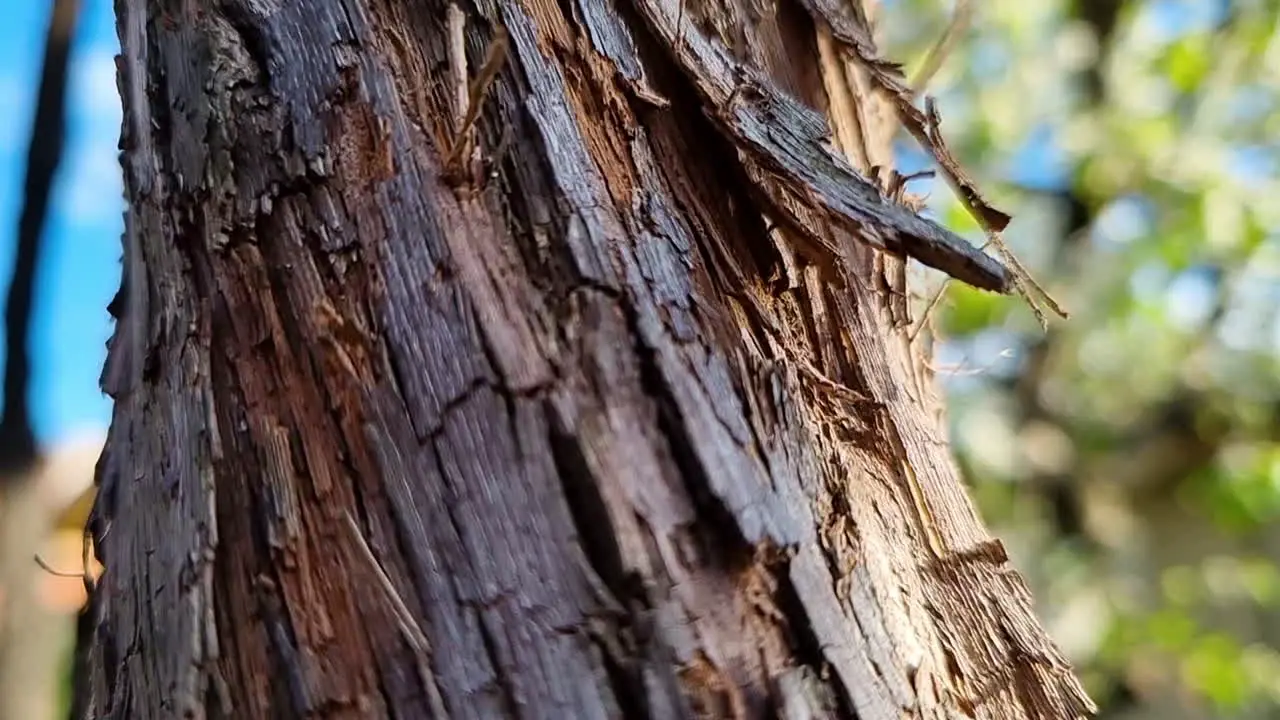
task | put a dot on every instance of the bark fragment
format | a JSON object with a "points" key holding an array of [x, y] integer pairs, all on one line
{"points": [[786, 151]]}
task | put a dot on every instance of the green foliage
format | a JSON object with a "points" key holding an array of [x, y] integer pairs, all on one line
{"points": [[1242, 492]]}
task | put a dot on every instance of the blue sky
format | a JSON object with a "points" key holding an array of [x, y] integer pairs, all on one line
{"points": [[80, 269]]}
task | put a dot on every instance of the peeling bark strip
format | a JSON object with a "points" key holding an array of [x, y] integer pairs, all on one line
{"points": [[849, 25], [779, 137], [539, 439]]}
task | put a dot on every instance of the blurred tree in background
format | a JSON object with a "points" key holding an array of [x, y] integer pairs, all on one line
{"points": [[1130, 454], [37, 484]]}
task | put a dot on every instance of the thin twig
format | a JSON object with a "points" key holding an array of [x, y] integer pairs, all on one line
{"points": [[54, 572], [413, 634], [961, 18], [1023, 282], [456, 21], [924, 316], [858, 40], [680, 28], [86, 550], [493, 62]]}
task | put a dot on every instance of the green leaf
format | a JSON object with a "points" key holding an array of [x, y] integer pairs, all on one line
{"points": [[1171, 630], [1187, 62], [1213, 667]]}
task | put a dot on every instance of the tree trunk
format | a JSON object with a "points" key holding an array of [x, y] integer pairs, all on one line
{"points": [[536, 418]]}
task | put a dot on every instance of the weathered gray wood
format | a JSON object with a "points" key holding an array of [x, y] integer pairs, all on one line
{"points": [[599, 467]]}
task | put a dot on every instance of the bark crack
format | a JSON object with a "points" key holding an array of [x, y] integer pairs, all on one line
{"points": [[501, 677]]}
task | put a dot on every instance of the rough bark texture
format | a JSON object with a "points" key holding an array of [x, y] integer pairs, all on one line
{"points": [[574, 432]]}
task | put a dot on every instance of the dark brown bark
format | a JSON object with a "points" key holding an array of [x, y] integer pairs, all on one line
{"points": [[568, 432]]}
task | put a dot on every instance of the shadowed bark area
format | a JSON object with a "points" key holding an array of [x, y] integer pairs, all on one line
{"points": [[568, 429]]}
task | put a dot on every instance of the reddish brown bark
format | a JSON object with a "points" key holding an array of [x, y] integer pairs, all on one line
{"points": [[569, 432]]}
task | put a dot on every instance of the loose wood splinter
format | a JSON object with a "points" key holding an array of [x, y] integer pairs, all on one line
{"points": [[44, 565], [785, 150], [469, 95]]}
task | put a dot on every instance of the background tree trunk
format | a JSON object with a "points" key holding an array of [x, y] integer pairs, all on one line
{"points": [[32, 639], [566, 429]]}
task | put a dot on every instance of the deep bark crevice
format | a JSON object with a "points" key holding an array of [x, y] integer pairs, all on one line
{"points": [[587, 507], [626, 681], [717, 185], [502, 681], [291, 697], [238, 510], [610, 624], [250, 25], [807, 646], [719, 524]]}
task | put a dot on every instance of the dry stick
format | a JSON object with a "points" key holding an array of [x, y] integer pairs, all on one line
{"points": [[924, 317], [54, 572], [924, 127], [493, 61], [679, 28], [961, 18], [1021, 276], [84, 575], [86, 549], [412, 633], [457, 24], [931, 137]]}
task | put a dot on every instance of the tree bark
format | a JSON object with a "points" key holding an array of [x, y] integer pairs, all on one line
{"points": [[541, 418]]}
